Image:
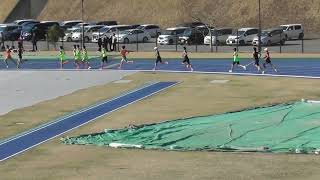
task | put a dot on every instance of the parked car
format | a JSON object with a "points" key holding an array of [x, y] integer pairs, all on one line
{"points": [[21, 21], [29, 23], [108, 31], [68, 34], [69, 24], [152, 29], [171, 35], [79, 25], [10, 32], [219, 36], [133, 35], [293, 31], [107, 23], [193, 35], [40, 30], [270, 37], [135, 26], [191, 24], [242, 37], [88, 33]]}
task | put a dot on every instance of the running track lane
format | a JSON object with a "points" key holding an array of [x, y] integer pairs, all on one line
{"points": [[25, 141]]}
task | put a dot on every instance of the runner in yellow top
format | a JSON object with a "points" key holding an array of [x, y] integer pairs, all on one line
{"points": [[85, 58], [62, 56], [104, 57], [77, 55], [236, 60]]}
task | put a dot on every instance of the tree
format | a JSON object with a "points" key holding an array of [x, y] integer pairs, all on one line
{"points": [[54, 34]]}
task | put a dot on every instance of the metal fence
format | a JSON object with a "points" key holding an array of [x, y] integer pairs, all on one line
{"points": [[303, 45]]}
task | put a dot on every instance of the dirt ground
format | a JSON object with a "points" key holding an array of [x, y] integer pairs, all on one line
{"points": [[193, 97]]}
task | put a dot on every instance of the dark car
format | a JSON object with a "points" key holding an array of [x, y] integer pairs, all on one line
{"points": [[135, 26], [20, 22], [40, 30], [10, 32], [191, 24], [107, 23], [193, 35]]}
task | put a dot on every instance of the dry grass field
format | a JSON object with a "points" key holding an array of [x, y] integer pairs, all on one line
{"points": [[6, 7], [194, 96]]}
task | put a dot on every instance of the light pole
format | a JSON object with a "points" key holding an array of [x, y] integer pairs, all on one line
{"points": [[259, 33], [82, 27]]}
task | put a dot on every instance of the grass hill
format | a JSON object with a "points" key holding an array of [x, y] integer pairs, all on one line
{"points": [[232, 13], [6, 6]]}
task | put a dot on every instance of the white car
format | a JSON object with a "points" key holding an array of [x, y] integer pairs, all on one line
{"points": [[293, 31], [242, 37], [152, 29], [68, 34], [88, 31], [69, 24], [171, 35], [133, 35], [270, 37], [219, 36], [108, 31]]}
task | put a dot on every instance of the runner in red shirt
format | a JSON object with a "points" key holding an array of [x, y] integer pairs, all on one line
{"points": [[123, 54]]}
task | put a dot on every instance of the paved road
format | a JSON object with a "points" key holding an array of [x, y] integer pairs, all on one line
{"points": [[310, 46]]}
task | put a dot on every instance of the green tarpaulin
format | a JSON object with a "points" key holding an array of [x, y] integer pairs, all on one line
{"points": [[292, 127]]}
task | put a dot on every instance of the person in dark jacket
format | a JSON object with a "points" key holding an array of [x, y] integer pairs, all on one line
{"points": [[34, 41], [99, 44], [114, 42], [105, 43]]}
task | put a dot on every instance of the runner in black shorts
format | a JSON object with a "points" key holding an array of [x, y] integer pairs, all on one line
{"points": [[256, 56], [158, 59], [20, 51], [186, 60], [268, 61]]}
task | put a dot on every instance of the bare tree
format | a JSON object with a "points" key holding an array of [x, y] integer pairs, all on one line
{"points": [[207, 18]]}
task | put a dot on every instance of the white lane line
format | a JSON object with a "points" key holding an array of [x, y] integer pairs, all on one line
{"points": [[73, 114], [89, 121]]}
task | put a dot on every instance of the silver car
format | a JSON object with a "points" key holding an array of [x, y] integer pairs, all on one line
{"points": [[270, 37]]}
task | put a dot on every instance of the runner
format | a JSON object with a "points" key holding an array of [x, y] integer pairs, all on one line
{"points": [[85, 58], [158, 59], [8, 56], [76, 54], [123, 54], [267, 58], [104, 56], [186, 60], [20, 60], [236, 60], [256, 56], [62, 55]]}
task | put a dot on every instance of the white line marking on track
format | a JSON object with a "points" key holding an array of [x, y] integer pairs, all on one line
{"points": [[89, 121]]}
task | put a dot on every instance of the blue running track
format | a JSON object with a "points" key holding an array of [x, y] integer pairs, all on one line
{"points": [[27, 140], [286, 66]]}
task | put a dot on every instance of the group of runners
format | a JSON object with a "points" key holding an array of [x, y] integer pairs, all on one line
{"points": [[256, 61], [8, 56], [81, 58]]}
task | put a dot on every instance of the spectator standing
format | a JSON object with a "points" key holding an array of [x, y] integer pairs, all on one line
{"points": [[34, 41], [2, 42], [105, 43], [114, 42], [110, 42], [99, 44]]}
